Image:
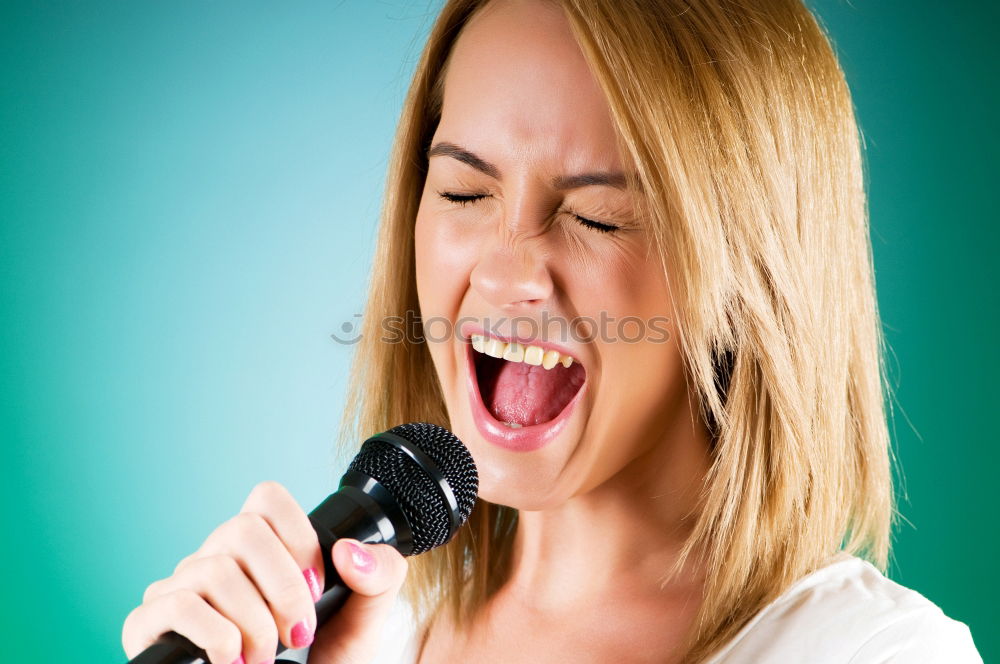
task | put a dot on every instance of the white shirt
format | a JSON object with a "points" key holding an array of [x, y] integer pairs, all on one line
{"points": [[844, 613]]}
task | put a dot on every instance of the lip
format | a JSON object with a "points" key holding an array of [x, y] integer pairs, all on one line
{"points": [[525, 439]]}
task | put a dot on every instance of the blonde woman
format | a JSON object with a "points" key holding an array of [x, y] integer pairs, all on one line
{"points": [[635, 232]]}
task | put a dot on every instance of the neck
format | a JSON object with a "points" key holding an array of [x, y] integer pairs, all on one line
{"points": [[622, 537]]}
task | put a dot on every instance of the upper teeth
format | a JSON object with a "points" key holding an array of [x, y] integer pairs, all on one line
{"points": [[515, 352]]}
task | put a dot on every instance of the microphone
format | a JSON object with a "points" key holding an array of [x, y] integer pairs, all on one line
{"points": [[411, 487]]}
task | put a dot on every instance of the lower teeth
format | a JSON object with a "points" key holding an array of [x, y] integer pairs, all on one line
{"points": [[513, 425]]}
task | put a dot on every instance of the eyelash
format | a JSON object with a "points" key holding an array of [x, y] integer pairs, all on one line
{"points": [[463, 200]]}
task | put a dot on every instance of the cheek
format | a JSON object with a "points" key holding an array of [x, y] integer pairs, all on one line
{"points": [[640, 399], [446, 252], [641, 378], [620, 294], [442, 264]]}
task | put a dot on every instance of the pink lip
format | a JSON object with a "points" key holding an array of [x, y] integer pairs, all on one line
{"points": [[525, 439]]}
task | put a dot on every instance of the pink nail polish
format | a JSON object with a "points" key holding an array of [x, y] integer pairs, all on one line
{"points": [[239, 660], [313, 580], [302, 636], [363, 561]]}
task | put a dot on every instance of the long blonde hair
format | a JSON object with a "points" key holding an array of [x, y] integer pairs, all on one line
{"points": [[740, 124]]}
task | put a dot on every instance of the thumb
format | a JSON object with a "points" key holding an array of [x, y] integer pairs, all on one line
{"points": [[375, 573]]}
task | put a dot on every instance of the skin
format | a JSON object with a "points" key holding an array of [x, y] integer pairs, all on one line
{"points": [[244, 589], [603, 506]]}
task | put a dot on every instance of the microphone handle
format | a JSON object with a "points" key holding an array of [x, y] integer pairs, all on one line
{"points": [[353, 512]]}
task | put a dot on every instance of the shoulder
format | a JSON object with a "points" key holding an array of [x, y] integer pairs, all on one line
{"points": [[399, 643], [924, 636], [848, 611]]}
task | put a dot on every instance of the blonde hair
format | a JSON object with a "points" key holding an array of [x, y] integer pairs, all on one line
{"points": [[740, 124]]}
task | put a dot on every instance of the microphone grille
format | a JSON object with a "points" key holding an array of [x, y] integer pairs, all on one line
{"points": [[414, 489]]}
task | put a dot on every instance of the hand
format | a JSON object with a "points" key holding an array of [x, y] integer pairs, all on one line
{"points": [[256, 579]]}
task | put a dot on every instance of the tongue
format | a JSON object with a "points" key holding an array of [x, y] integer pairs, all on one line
{"points": [[525, 394]]}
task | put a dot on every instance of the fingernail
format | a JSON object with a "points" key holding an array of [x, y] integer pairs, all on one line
{"points": [[239, 660], [363, 561], [301, 635], [313, 580]]}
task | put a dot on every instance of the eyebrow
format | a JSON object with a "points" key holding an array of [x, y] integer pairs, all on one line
{"points": [[614, 179]]}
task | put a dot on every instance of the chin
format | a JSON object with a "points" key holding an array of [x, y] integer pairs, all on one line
{"points": [[529, 481]]}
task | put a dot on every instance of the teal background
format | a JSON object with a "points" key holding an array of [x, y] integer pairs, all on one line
{"points": [[188, 196]]}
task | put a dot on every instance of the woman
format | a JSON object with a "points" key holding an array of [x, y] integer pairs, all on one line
{"points": [[698, 474]]}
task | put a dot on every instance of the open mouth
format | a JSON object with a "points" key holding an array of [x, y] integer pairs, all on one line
{"points": [[524, 385]]}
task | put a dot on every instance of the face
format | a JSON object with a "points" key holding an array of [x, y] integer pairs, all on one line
{"points": [[510, 247]]}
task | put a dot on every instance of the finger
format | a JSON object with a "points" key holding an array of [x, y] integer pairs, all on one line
{"points": [[375, 573], [249, 540], [186, 613], [369, 570], [223, 583], [281, 511]]}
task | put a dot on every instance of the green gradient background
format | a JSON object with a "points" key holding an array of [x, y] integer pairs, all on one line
{"points": [[188, 198]]}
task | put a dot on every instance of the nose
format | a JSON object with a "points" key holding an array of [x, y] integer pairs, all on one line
{"points": [[512, 276]]}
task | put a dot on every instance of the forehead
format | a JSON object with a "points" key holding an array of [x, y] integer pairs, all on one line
{"points": [[519, 89]]}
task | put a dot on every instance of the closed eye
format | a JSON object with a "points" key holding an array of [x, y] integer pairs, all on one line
{"points": [[465, 199], [461, 199]]}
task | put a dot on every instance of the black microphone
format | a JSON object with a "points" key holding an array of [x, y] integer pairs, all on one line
{"points": [[411, 487]]}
